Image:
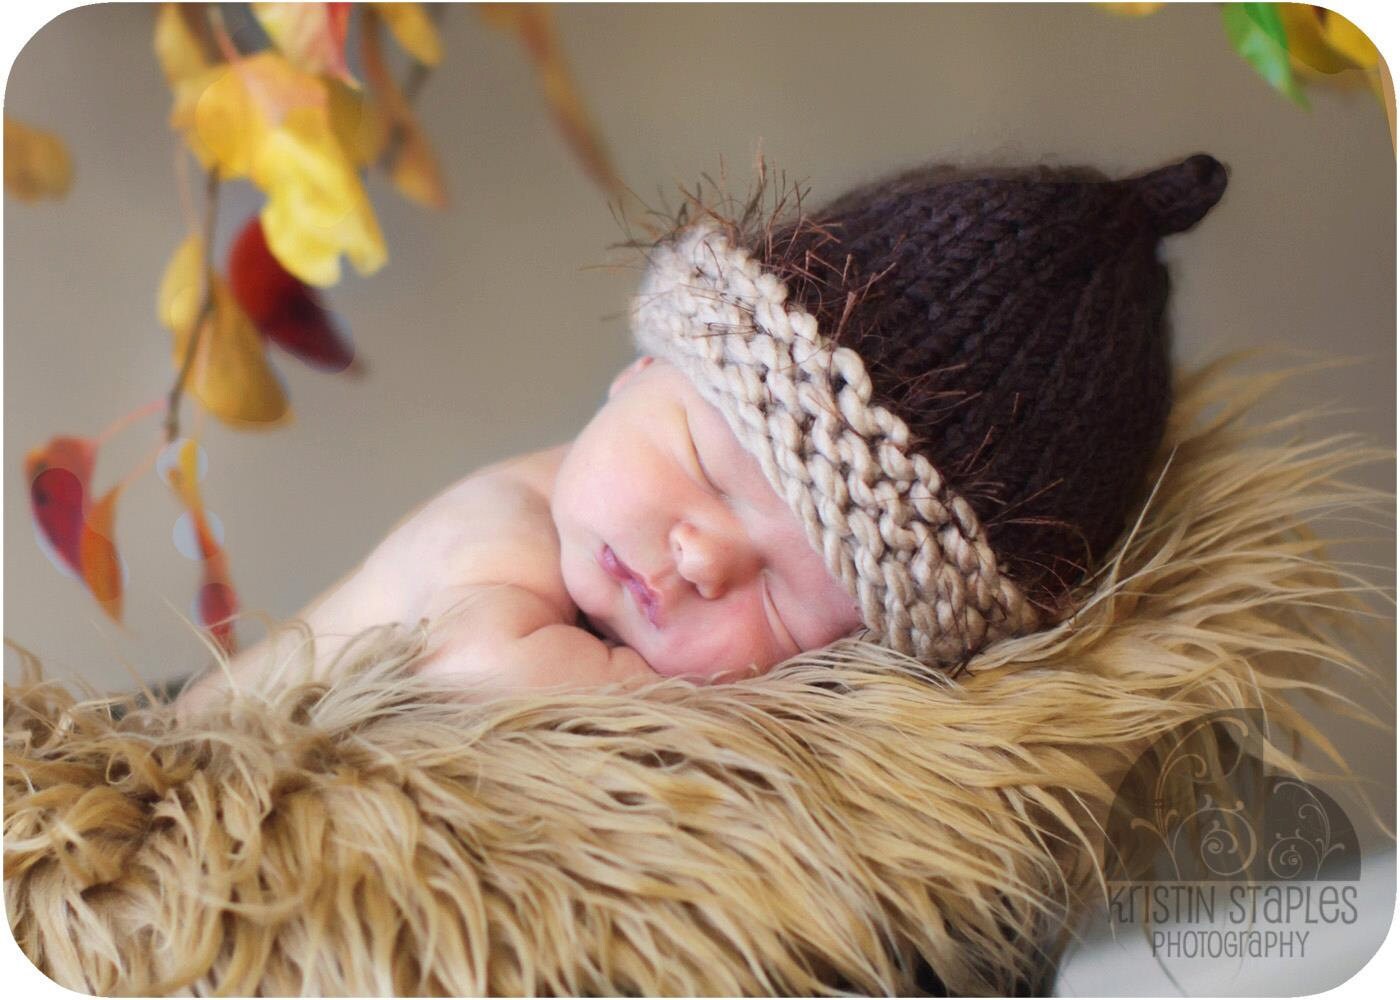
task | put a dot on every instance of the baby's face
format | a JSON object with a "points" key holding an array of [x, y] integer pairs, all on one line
{"points": [[673, 542]]}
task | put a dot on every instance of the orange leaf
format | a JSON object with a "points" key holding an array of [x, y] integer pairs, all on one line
{"points": [[414, 168], [413, 30], [37, 164], [216, 601], [101, 566], [533, 24]]}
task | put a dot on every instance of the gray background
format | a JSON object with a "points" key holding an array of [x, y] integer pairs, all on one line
{"points": [[493, 330]]}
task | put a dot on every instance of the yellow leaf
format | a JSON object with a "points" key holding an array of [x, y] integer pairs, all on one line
{"points": [[229, 375], [183, 474], [181, 287], [276, 87], [1349, 40], [310, 35], [1303, 25], [534, 26], [37, 164], [1386, 86], [188, 72], [179, 52], [316, 206], [222, 126], [356, 123], [1130, 9], [413, 30], [295, 137]]}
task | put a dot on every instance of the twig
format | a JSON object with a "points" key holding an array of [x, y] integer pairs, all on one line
{"points": [[206, 307], [126, 420], [418, 75]]}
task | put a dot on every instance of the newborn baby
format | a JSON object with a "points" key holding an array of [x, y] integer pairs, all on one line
{"points": [[923, 412], [654, 530]]}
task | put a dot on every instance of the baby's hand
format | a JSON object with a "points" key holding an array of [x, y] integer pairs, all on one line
{"points": [[506, 638]]}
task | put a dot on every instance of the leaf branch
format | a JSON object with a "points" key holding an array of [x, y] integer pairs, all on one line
{"points": [[206, 307]]}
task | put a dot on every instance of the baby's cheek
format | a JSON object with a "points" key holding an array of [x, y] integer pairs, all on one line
{"points": [[746, 654]]}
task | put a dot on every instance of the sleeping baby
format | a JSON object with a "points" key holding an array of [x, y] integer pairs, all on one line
{"points": [[919, 416]]}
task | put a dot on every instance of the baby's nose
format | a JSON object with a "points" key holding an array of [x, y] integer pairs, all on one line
{"points": [[713, 562]]}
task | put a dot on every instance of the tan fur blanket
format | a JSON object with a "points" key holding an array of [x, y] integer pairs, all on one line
{"points": [[846, 823]]}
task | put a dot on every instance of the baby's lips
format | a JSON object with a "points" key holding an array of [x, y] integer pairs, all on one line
{"points": [[647, 599]]}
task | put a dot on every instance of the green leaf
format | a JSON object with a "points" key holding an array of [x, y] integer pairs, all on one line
{"points": [[1256, 32]]}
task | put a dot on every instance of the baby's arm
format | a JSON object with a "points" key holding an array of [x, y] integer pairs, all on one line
{"points": [[356, 601], [488, 544]]}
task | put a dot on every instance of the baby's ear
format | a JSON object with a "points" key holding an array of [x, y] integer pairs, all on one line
{"points": [[627, 373]]}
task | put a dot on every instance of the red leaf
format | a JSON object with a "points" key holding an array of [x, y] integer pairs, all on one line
{"points": [[80, 533], [283, 308], [217, 602], [56, 499], [58, 475]]}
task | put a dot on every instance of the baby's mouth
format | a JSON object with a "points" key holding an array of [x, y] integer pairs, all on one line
{"points": [[647, 599]]}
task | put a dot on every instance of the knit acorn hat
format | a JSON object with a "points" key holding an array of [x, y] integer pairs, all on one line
{"points": [[956, 379]]}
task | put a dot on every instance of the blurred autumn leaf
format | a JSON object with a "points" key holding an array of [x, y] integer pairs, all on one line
{"points": [[229, 373], [78, 533], [265, 120], [291, 118], [411, 28], [1130, 9], [216, 602], [1285, 41], [37, 164], [1256, 31], [533, 24], [358, 122], [285, 310], [102, 569], [58, 474], [311, 35], [412, 165]]}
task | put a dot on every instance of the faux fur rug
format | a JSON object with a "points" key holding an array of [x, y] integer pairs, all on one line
{"points": [[846, 823]]}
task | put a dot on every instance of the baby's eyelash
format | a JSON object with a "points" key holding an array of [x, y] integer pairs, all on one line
{"points": [[769, 603], [695, 454]]}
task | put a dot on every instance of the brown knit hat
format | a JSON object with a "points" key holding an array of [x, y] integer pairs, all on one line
{"points": [[956, 379]]}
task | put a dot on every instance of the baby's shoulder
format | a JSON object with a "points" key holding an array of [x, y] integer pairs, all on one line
{"points": [[493, 527]]}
